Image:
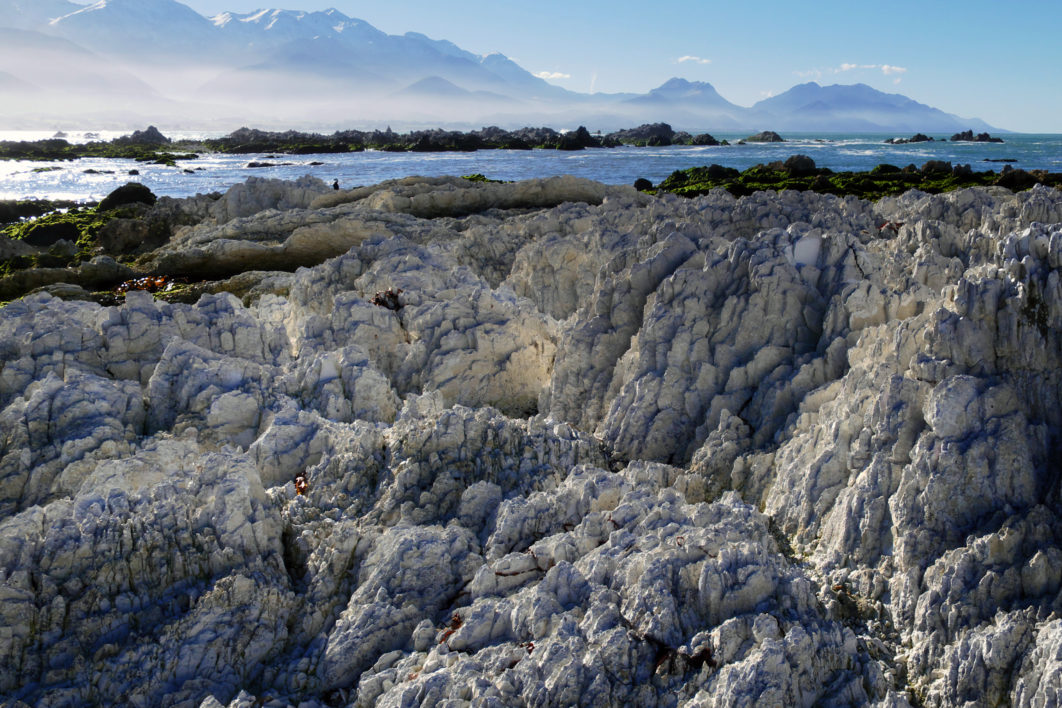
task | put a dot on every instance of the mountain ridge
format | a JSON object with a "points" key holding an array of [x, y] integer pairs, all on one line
{"points": [[293, 64]]}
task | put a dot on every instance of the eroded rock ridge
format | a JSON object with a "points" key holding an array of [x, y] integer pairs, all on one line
{"points": [[563, 444]]}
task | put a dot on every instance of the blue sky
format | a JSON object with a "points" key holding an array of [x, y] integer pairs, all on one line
{"points": [[1001, 62]]}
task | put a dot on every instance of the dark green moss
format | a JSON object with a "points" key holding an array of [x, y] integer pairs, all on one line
{"points": [[882, 181], [54, 149], [83, 224], [12, 211], [477, 177]]}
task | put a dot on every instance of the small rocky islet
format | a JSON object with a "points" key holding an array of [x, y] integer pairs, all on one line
{"points": [[150, 145], [553, 442]]}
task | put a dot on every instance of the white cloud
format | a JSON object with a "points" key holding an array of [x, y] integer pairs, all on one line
{"points": [[695, 60], [550, 75], [850, 67], [887, 69]]}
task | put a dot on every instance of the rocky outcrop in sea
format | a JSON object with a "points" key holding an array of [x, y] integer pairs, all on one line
{"points": [[560, 443]]}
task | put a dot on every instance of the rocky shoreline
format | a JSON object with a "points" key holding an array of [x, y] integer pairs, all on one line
{"points": [[101, 251], [150, 145], [559, 443]]}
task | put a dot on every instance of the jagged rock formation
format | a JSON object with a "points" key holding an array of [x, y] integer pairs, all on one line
{"points": [[592, 447]]}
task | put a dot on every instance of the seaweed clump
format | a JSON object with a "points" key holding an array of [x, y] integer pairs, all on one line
{"points": [[800, 173]]}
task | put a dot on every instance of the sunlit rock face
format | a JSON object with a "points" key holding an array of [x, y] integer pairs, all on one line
{"points": [[563, 444]]}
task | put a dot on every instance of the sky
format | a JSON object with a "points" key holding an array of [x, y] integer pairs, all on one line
{"points": [[1001, 62]]}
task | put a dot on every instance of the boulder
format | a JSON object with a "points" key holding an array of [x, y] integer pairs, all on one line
{"points": [[150, 136], [577, 140], [936, 166], [129, 193], [119, 236], [916, 138], [704, 139], [767, 136], [1015, 179], [799, 165], [46, 235], [15, 248], [646, 134], [968, 136]]}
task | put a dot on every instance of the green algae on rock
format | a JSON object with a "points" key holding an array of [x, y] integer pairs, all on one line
{"points": [[799, 173]]}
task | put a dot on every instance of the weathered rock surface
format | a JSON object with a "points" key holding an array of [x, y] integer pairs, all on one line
{"points": [[565, 444]]}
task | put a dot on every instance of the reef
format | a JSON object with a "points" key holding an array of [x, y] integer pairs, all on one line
{"points": [[442, 441], [151, 146], [799, 173]]}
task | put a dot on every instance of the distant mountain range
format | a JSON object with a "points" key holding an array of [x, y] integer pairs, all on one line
{"points": [[130, 61]]}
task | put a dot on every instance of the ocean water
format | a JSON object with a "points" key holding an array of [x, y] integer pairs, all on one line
{"points": [[92, 179]]}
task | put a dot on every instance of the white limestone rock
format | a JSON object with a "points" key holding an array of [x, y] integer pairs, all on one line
{"points": [[602, 448], [432, 197], [1039, 681], [59, 423], [410, 574], [91, 576], [617, 602], [258, 194]]}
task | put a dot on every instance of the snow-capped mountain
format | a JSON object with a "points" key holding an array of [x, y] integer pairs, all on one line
{"points": [[276, 65], [272, 28], [32, 14], [142, 31]]}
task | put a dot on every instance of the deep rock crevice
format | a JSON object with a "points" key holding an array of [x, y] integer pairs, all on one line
{"points": [[712, 451]]}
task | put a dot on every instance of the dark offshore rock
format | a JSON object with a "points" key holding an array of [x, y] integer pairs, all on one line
{"points": [[647, 134], [642, 184], [767, 136], [129, 193], [704, 139], [150, 136], [440, 140], [916, 138], [968, 136], [577, 140]]}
